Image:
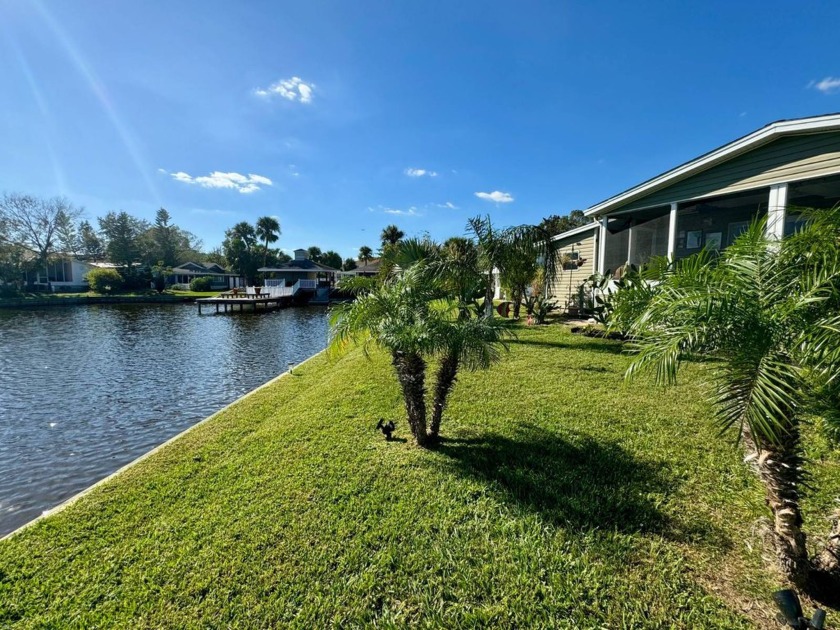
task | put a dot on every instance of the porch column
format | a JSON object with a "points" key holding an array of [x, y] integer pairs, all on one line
{"points": [[602, 245], [776, 211], [672, 232], [629, 245]]}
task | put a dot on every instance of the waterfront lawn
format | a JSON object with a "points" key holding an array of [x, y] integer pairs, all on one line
{"points": [[560, 498]]}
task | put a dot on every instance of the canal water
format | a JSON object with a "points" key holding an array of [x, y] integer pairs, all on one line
{"points": [[86, 389]]}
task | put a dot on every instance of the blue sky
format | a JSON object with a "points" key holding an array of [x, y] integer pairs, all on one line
{"points": [[342, 117]]}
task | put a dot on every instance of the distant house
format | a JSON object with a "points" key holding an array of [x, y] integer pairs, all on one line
{"points": [[301, 268], [367, 270], [189, 271], [64, 272]]}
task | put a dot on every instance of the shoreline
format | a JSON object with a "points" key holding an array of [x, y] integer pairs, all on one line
{"points": [[73, 499], [103, 299]]}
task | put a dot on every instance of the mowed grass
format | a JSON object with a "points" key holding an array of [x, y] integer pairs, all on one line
{"points": [[560, 498]]}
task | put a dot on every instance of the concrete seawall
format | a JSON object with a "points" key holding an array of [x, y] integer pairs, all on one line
{"points": [[98, 299]]}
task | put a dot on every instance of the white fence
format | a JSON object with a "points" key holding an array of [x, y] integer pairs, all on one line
{"points": [[278, 288]]}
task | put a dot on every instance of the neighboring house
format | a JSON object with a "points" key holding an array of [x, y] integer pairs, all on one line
{"points": [[301, 268], [65, 273], [709, 201], [220, 277], [371, 268]]}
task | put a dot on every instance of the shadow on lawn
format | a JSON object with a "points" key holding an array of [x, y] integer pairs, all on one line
{"points": [[582, 484], [593, 346]]}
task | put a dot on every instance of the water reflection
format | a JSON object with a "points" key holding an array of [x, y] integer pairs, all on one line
{"points": [[84, 390]]}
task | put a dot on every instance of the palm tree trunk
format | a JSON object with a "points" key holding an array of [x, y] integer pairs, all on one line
{"points": [[446, 375], [516, 294], [411, 373], [780, 469], [489, 292]]}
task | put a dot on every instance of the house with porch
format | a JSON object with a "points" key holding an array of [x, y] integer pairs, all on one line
{"points": [[708, 201], [220, 278], [301, 269], [64, 272]]}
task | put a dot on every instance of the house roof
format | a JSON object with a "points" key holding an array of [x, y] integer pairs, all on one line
{"points": [[192, 268], [744, 144], [298, 266], [575, 231], [372, 266]]}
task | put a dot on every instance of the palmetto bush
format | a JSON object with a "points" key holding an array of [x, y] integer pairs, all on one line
{"points": [[769, 314]]}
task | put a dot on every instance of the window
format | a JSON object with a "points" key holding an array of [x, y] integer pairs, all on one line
{"points": [[821, 193], [716, 222]]}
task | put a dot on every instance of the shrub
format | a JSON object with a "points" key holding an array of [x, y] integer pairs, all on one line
{"points": [[104, 280], [9, 291], [201, 284]]}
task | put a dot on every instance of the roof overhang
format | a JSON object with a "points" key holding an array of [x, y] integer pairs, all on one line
{"points": [[815, 124], [575, 231]]}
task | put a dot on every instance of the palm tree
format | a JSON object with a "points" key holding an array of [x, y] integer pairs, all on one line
{"points": [[466, 342], [397, 316], [391, 235], [365, 254], [268, 230], [517, 253], [412, 315], [768, 313]]}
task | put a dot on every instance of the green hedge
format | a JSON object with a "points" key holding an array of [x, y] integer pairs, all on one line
{"points": [[104, 280], [202, 284]]}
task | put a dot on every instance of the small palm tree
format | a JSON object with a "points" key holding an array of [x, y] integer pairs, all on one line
{"points": [[517, 253], [768, 313], [410, 315], [268, 231], [396, 316]]}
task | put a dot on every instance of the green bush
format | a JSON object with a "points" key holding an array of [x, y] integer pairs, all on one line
{"points": [[104, 280], [9, 291], [201, 284]]}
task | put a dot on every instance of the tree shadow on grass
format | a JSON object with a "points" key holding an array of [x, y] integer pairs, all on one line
{"points": [[582, 484], [609, 347]]}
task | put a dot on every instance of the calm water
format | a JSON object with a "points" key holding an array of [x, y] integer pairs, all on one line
{"points": [[85, 390]]}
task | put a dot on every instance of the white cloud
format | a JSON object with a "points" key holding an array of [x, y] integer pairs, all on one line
{"points": [[294, 89], [410, 212], [419, 172], [497, 196], [448, 204], [245, 184], [828, 85]]}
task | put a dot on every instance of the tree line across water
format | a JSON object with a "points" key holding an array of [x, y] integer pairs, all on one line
{"points": [[35, 232]]}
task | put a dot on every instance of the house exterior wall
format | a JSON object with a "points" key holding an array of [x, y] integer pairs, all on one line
{"points": [[77, 271], [568, 280], [786, 159]]}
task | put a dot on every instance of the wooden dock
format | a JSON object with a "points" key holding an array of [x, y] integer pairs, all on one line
{"points": [[255, 302]]}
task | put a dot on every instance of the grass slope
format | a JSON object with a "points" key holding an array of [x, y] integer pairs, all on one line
{"points": [[561, 498]]}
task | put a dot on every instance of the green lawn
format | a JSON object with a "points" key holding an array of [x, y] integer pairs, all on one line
{"points": [[560, 498]]}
